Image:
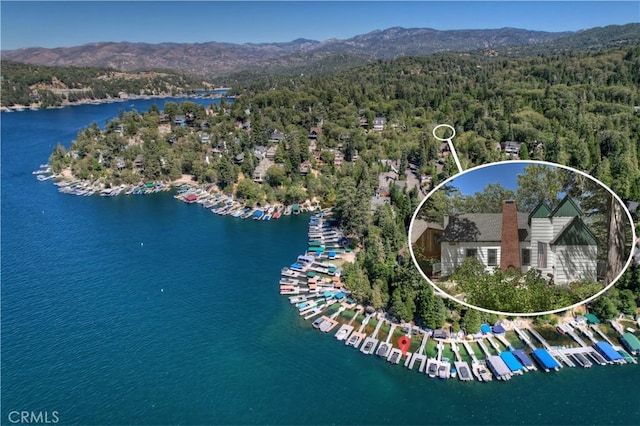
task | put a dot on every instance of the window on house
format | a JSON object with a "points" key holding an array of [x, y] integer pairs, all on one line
{"points": [[542, 255], [471, 252], [492, 257], [526, 257]]}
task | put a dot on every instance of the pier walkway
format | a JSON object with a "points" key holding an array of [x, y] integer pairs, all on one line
{"points": [[539, 337], [419, 355], [569, 330], [522, 334], [493, 343], [507, 344], [469, 350], [604, 336], [484, 348], [584, 330], [355, 315]]}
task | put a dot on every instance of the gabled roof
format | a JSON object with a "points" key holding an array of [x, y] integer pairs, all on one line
{"points": [[540, 211], [420, 226], [575, 233], [566, 207], [482, 227]]}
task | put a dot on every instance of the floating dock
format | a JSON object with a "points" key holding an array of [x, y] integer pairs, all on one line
{"points": [[512, 363], [546, 361], [498, 368]]}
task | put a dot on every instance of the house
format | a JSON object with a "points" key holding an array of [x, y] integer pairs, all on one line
{"points": [[304, 168], [260, 172], [276, 136], [426, 237], [379, 123], [239, 159], [260, 152], [180, 120], [338, 157], [557, 242], [314, 133], [205, 138], [271, 152], [363, 122], [511, 148], [120, 129], [120, 164], [138, 163]]}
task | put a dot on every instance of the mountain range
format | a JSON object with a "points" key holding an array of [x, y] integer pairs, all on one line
{"points": [[214, 59]]}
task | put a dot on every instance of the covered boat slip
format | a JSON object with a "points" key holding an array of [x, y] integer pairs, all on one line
{"points": [[546, 361], [512, 363], [524, 359], [607, 351], [498, 367], [464, 372]]}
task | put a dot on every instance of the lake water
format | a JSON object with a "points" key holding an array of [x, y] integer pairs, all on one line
{"points": [[145, 310]]}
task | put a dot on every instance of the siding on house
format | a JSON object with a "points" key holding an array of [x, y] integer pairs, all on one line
{"points": [[574, 263], [453, 254], [541, 232]]}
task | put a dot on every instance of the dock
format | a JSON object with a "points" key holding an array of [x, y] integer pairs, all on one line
{"points": [[539, 337], [502, 339], [469, 350], [464, 372], [494, 345], [418, 355], [525, 338], [462, 368], [370, 343], [498, 367], [344, 331], [569, 330], [484, 348]]}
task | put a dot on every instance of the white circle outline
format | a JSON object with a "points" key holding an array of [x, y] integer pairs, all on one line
{"points": [[448, 127], [520, 314]]}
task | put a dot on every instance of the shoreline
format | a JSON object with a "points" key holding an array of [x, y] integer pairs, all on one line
{"points": [[314, 288], [36, 106]]}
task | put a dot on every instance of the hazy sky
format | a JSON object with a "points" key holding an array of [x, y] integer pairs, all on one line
{"points": [[57, 24]]}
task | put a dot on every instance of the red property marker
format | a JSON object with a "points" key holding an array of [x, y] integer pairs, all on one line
{"points": [[403, 343]]}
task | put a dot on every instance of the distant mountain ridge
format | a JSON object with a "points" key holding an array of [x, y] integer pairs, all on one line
{"points": [[213, 59]]}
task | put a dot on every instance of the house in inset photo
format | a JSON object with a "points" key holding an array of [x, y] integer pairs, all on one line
{"points": [[555, 242]]}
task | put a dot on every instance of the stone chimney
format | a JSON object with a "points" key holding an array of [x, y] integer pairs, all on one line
{"points": [[509, 246]]}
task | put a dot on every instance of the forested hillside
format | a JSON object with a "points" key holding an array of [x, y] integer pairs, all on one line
{"points": [[46, 86], [578, 109]]}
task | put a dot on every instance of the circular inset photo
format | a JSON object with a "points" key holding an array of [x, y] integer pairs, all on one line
{"points": [[521, 238]]}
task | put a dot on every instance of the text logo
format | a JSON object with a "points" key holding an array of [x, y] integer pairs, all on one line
{"points": [[33, 417]]}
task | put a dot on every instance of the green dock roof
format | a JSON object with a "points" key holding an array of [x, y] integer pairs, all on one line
{"points": [[632, 341], [592, 319]]}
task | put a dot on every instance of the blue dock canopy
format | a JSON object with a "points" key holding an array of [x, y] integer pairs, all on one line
{"points": [[545, 359], [522, 357], [607, 351], [296, 266], [498, 329], [484, 328], [258, 213], [511, 361]]}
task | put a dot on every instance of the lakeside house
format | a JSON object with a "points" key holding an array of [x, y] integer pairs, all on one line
{"points": [[557, 243], [379, 124], [276, 136]]}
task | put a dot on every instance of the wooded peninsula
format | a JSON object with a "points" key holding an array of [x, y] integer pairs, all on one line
{"points": [[360, 140]]}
